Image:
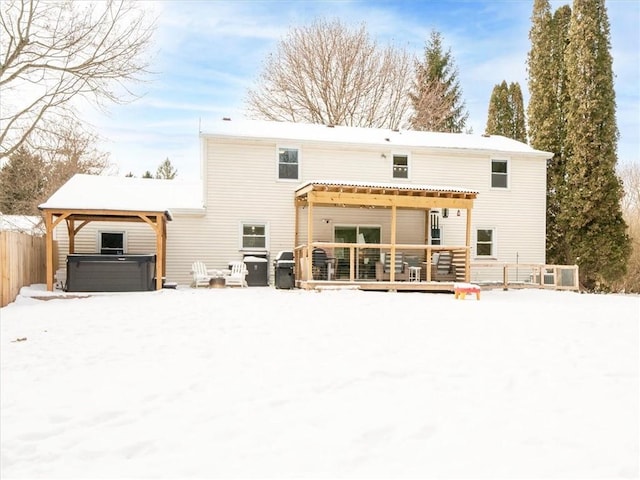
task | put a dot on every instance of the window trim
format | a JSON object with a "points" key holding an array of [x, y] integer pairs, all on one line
{"points": [[120, 232], [288, 147], [256, 223], [507, 161], [401, 154], [494, 243]]}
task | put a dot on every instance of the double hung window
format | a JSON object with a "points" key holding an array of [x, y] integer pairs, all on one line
{"points": [[400, 166], [111, 243], [485, 242], [288, 164], [499, 174], [254, 235]]}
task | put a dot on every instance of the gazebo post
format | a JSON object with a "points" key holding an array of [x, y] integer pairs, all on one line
{"points": [[309, 274], [467, 267], [159, 251], [394, 219], [49, 249]]}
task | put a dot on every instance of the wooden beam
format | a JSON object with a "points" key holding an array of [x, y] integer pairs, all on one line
{"points": [[394, 219], [71, 232], [386, 200], [49, 249], [309, 275], [159, 251], [467, 267]]}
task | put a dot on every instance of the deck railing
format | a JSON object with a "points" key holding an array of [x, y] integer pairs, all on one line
{"points": [[346, 268]]}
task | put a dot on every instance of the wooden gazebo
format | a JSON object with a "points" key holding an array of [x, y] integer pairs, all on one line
{"points": [[383, 196], [76, 219], [98, 198]]}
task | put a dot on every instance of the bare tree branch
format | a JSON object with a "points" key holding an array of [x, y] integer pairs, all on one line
{"points": [[55, 53], [326, 74]]}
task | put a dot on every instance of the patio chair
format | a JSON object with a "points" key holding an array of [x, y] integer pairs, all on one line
{"points": [[201, 275], [443, 270], [322, 265], [238, 275], [401, 267]]}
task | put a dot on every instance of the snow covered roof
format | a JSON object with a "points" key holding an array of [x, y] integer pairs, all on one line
{"points": [[33, 225], [98, 192], [368, 136]]}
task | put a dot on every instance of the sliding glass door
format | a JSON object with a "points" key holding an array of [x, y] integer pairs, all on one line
{"points": [[366, 257]]}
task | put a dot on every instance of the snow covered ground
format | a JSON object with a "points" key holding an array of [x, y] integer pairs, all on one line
{"points": [[260, 382]]}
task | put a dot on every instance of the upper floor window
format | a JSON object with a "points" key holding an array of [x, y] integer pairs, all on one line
{"points": [[400, 166], [111, 243], [499, 174], [254, 235], [288, 163], [486, 242]]}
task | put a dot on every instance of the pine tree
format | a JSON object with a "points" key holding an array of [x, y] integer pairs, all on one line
{"points": [[22, 183], [547, 113], [166, 170], [518, 127], [499, 116], [596, 231], [437, 95], [147, 174], [506, 112]]}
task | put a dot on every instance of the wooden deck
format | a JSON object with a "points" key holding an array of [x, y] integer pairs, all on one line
{"points": [[421, 286]]}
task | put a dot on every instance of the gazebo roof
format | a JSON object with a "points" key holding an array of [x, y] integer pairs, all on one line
{"points": [[98, 193]]}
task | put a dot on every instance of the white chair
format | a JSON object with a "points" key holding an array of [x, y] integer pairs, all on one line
{"points": [[238, 274], [201, 276]]}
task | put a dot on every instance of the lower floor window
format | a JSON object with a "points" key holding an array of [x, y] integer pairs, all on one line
{"points": [[485, 242], [111, 243], [254, 235]]}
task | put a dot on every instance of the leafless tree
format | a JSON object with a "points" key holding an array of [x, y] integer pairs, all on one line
{"points": [[55, 54], [28, 177], [325, 73]]}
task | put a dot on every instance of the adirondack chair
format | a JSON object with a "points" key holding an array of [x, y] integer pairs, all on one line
{"points": [[383, 270], [443, 270], [201, 275], [238, 275]]}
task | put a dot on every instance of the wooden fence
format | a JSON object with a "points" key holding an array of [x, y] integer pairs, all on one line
{"points": [[22, 262]]}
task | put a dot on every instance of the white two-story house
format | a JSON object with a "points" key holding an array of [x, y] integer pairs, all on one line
{"points": [[362, 196]]}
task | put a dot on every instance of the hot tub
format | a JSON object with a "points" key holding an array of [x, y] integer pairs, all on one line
{"points": [[110, 273]]}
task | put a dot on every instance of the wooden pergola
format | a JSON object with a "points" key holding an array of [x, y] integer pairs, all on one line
{"points": [[76, 219], [384, 196]]}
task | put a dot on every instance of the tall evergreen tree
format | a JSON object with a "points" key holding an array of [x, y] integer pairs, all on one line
{"points": [[506, 112], [596, 231], [546, 111], [499, 116], [437, 76], [519, 129]]}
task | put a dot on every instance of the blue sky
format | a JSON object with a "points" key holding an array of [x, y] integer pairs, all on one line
{"points": [[207, 53]]}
